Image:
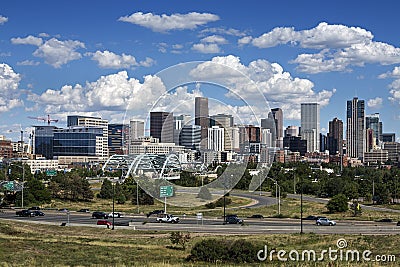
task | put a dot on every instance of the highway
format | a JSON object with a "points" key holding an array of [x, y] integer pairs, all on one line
{"points": [[212, 225]]}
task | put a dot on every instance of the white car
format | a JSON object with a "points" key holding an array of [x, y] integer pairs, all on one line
{"points": [[115, 215], [167, 218]]}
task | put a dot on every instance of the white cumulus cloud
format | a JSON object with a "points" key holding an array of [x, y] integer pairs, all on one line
{"points": [[3, 20], [260, 82], [340, 47], [57, 53], [375, 103], [165, 23], [107, 59], [29, 40], [214, 39], [9, 93], [206, 48]]}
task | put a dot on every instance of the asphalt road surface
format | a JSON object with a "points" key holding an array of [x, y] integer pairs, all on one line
{"points": [[212, 225]]}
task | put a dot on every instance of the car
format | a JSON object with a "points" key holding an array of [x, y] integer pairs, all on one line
{"points": [[154, 212], [115, 215], [256, 216], [311, 218], [63, 210], [167, 218], [104, 222], [233, 219], [99, 215], [386, 220], [83, 210], [25, 213], [38, 213], [325, 221], [314, 218], [398, 223]]}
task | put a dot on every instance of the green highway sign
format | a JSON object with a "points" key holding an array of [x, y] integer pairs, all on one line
{"points": [[51, 172], [166, 191], [9, 186]]}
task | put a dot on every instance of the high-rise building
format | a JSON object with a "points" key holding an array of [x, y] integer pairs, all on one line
{"points": [[179, 122], [87, 121], [43, 137], [355, 133], [269, 123], [162, 126], [266, 137], [335, 137], [310, 125], [372, 122], [201, 118], [225, 121], [295, 144], [278, 117], [118, 135], [190, 137], [216, 138], [136, 129], [249, 136]]}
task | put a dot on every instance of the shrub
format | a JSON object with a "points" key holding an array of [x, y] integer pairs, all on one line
{"points": [[216, 250], [210, 250], [337, 203]]}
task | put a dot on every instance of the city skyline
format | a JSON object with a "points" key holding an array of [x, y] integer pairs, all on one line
{"points": [[108, 57]]}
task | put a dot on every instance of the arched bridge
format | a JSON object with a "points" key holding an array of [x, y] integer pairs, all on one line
{"points": [[156, 166]]}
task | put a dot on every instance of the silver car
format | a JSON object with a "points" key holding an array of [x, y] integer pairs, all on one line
{"points": [[325, 221]]}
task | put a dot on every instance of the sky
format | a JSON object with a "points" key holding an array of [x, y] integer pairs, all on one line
{"points": [[122, 59]]}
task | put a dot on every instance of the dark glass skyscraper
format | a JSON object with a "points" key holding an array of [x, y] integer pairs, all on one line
{"points": [[162, 126]]}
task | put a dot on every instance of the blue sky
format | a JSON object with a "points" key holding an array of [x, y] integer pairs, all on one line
{"points": [[102, 58]]}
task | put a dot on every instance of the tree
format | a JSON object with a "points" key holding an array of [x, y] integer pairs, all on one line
{"points": [[34, 193], [178, 238], [337, 203], [106, 191]]}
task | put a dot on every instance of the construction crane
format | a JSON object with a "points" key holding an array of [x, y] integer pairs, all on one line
{"points": [[48, 119]]}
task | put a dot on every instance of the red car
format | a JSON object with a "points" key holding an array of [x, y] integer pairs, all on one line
{"points": [[104, 222]]}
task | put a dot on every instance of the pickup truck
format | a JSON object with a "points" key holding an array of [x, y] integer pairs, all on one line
{"points": [[167, 218]]}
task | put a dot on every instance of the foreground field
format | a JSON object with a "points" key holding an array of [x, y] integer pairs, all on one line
{"points": [[44, 245]]}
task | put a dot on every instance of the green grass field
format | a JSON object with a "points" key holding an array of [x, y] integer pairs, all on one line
{"points": [[28, 244]]}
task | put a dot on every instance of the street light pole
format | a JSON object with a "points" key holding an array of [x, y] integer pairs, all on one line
{"points": [[301, 206], [113, 206]]}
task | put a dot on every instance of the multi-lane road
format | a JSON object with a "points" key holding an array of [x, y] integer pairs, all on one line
{"points": [[212, 225]]}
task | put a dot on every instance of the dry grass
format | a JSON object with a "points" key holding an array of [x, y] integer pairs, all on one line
{"points": [[27, 244]]}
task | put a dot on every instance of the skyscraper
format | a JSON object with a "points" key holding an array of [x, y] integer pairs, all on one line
{"points": [[278, 117], [162, 126], [225, 121], [310, 125], [202, 118], [136, 129], [372, 122], [270, 123], [355, 133], [335, 137], [216, 138], [179, 122]]}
